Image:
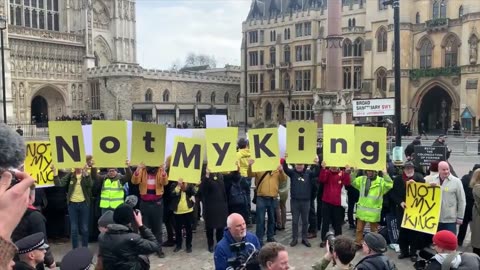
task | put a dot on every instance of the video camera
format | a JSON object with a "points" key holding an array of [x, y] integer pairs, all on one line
{"points": [[330, 237], [243, 260], [426, 254]]}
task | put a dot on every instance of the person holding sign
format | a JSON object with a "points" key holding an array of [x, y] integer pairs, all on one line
{"points": [[266, 186], [182, 206], [408, 238], [302, 181], [151, 183], [453, 198], [79, 193], [333, 180], [372, 188], [111, 185]]}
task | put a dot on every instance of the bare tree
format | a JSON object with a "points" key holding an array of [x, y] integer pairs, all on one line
{"points": [[193, 60]]}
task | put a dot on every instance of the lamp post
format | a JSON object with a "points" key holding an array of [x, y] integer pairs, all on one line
{"points": [[396, 39], [3, 26]]}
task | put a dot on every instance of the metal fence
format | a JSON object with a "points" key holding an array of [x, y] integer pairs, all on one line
{"points": [[30, 131]]}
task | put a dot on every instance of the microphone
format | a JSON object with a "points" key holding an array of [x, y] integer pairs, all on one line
{"points": [[12, 148]]}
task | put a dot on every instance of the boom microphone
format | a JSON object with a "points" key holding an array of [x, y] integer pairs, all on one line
{"points": [[12, 148]]}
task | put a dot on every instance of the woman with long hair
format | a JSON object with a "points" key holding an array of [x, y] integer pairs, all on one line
{"points": [[475, 226]]}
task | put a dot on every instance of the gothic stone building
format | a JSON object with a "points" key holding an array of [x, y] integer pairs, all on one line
{"points": [[66, 57], [285, 59]]}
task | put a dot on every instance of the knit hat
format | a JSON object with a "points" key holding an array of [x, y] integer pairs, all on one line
{"points": [[376, 242], [445, 240], [106, 219], [123, 214]]}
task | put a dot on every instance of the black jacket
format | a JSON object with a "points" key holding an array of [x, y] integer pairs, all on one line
{"points": [[468, 194], [120, 247], [302, 184], [375, 262], [22, 266], [214, 199], [175, 197], [398, 194]]}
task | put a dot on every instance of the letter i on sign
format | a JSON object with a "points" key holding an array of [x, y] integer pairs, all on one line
{"points": [[301, 142], [301, 139]]}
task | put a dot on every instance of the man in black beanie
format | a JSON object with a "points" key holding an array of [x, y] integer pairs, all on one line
{"points": [[374, 246], [121, 247]]}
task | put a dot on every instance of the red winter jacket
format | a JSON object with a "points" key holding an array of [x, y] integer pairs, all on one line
{"points": [[332, 185]]}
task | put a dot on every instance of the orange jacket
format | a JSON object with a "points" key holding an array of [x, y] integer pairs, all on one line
{"points": [[140, 178]]}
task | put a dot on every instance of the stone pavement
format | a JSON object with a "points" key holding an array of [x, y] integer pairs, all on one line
{"points": [[300, 257]]}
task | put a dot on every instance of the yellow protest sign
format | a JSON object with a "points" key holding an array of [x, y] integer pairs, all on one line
{"points": [[148, 144], [264, 148], [338, 145], [301, 142], [221, 149], [370, 148], [109, 141], [422, 211], [66, 138], [187, 160], [37, 163]]}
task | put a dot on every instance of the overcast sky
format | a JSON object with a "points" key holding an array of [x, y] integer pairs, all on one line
{"points": [[167, 30]]}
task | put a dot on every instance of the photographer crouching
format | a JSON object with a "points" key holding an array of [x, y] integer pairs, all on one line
{"points": [[238, 248], [340, 250]]}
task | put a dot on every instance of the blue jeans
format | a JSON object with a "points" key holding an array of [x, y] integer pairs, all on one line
{"points": [[268, 205], [79, 214], [447, 226]]}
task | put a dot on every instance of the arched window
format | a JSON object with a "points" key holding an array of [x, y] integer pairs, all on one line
{"points": [[439, 9], [357, 47], [148, 95], [354, 22], [238, 99], [212, 98], [268, 112], [435, 10], [382, 40], [166, 95], [347, 77], [272, 55], [451, 52], [286, 54], [286, 81], [251, 109], [443, 9], [381, 78], [226, 98], [347, 48], [417, 17], [426, 54], [198, 97], [460, 11], [349, 22]]}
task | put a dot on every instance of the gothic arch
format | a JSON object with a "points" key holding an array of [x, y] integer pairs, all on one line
{"points": [[55, 99], [423, 39], [102, 51], [101, 15], [448, 36], [431, 84]]}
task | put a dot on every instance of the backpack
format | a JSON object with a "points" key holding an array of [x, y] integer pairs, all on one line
{"points": [[237, 194]]}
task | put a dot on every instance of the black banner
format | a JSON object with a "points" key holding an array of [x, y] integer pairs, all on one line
{"points": [[424, 155]]}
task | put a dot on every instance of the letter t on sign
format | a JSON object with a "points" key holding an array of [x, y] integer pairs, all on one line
{"points": [[148, 141]]}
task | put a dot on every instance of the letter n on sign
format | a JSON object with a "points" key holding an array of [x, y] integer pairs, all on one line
{"points": [[264, 149], [66, 138], [338, 145]]}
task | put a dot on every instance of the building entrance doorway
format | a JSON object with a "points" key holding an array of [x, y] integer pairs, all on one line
{"points": [[39, 110], [435, 112]]}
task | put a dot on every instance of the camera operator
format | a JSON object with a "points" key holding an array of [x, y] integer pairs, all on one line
{"points": [[235, 233], [341, 250], [445, 244], [374, 245], [273, 256]]}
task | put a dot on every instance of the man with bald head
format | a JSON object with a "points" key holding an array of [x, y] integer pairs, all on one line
{"points": [[236, 232], [453, 198]]}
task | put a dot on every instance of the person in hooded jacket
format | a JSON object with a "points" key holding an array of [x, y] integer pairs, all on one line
{"points": [[120, 247], [462, 231]]}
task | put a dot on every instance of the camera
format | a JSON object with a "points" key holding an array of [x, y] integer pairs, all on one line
{"points": [[330, 237], [243, 259], [426, 254]]}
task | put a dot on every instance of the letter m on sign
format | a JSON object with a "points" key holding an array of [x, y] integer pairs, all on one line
{"points": [[187, 158]]}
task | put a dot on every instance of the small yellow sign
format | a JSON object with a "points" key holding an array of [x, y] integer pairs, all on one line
{"points": [[37, 163], [222, 149], [66, 138], [148, 144], [301, 142], [264, 149], [422, 211], [187, 160], [109, 142]]}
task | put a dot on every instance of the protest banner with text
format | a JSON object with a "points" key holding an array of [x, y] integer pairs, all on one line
{"points": [[422, 211], [338, 145], [148, 144], [221, 149], [187, 160], [264, 149], [37, 163], [425, 155], [66, 138], [301, 142], [109, 142]]}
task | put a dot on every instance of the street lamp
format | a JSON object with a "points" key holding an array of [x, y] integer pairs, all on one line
{"points": [[396, 39], [3, 26]]}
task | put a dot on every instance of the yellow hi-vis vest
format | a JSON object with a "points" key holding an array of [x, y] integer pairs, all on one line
{"points": [[112, 194]]}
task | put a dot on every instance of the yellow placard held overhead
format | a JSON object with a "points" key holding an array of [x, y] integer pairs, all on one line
{"points": [[370, 148], [148, 144], [338, 145], [109, 140], [264, 149], [221, 149], [66, 138], [37, 163], [301, 142], [422, 211], [187, 160]]}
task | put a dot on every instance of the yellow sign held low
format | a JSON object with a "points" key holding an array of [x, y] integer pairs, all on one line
{"points": [[422, 211], [37, 163]]}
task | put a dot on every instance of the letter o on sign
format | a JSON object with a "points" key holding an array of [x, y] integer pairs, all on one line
{"points": [[115, 145]]}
